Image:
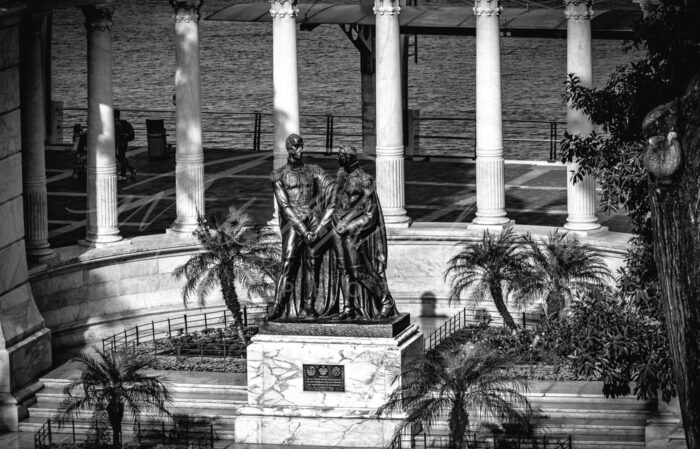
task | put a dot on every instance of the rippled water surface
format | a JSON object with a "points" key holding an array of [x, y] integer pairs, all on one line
{"points": [[236, 75]]}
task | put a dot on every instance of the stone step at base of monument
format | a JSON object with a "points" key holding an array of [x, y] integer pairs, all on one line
{"points": [[201, 396]]}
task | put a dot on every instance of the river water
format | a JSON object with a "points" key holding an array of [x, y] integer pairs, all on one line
{"points": [[236, 76]]}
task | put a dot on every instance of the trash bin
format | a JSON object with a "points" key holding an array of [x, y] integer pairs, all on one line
{"points": [[157, 146]]}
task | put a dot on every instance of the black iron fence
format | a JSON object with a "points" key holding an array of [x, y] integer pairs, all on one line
{"points": [[469, 316], [523, 139], [430, 135], [483, 440], [186, 335], [53, 435]]}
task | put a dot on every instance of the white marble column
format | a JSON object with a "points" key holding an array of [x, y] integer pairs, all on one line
{"points": [[581, 199], [102, 216], [389, 130], [284, 79], [490, 182], [36, 223], [189, 155]]}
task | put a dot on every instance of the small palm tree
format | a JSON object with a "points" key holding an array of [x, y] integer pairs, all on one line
{"points": [[234, 251], [464, 383], [110, 383], [491, 269], [564, 268]]}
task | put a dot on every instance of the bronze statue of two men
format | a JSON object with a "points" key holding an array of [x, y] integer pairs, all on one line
{"points": [[333, 241]]}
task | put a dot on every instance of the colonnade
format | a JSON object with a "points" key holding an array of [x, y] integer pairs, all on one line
{"points": [[490, 170], [102, 215]]}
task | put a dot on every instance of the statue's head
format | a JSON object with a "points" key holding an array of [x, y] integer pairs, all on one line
{"points": [[347, 156], [294, 145]]}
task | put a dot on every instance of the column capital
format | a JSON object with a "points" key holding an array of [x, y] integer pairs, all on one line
{"points": [[186, 10], [578, 9], [388, 7], [98, 18], [487, 7], [283, 9]]}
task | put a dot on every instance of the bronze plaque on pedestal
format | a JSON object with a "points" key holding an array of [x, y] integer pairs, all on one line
{"points": [[324, 377]]}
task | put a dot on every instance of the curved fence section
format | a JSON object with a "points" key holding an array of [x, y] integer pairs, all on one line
{"points": [[173, 336], [52, 435], [467, 317]]}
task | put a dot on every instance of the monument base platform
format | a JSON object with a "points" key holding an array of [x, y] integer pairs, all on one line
{"points": [[325, 390]]}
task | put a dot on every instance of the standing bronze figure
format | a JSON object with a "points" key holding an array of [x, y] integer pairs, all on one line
{"points": [[358, 237], [300, 191]]}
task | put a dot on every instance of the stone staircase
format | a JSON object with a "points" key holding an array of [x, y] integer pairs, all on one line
{"points": [[205, 398], [579, 409]]}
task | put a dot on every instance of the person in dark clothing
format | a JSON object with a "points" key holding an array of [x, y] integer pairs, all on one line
{"points": [[123, 134]]}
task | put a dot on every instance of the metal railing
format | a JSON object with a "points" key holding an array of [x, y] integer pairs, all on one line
{"points": [[445, 134], [52, 435], [531, 442], [435, 135], [237, 130], [468, 316], [167, 337], [485, 440]]}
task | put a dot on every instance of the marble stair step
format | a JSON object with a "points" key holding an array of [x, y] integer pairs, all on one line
{"points": [[593, 403], [180, 399], [48, 408], [588, 421], [606, 413]]}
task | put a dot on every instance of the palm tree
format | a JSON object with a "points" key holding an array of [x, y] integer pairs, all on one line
{"points": [[564, 269], [110, 383], [465, 383], [493, 268], [234, 252]]}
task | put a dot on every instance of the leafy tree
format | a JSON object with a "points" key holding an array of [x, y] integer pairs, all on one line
{"points": [[234, 251], [492, 269], [110, 384], [464, 382], [610, 339], [564, 268], [631, 160]]}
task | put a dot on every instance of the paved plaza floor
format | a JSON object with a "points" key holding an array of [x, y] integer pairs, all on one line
{"points": [[438, 190]]}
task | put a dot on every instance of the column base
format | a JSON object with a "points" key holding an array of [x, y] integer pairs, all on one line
{"points": [[39, 253], [584, 229], [14, 407], [181, 231], [103, 240], [104, 243], [396, 218], [491, 224]]}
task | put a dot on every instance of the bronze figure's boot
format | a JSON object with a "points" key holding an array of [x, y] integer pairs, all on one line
{"points": [[308, 311], [349, 311], [277, 311], [388, 307]]}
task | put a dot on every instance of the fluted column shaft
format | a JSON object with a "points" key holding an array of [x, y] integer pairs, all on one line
{"points": [[490, 184], [581, 199], [102, 216], [36, 224], [285, 82], [389, 129], [189, 156]]}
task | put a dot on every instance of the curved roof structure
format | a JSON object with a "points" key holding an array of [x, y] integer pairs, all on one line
{"points": [[449, 20]]}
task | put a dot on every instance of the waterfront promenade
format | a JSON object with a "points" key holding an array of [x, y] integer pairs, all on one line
{"points": [[438, 190]]}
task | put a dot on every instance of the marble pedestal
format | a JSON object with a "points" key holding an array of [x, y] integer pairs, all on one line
{"points": [[279, 409]]}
